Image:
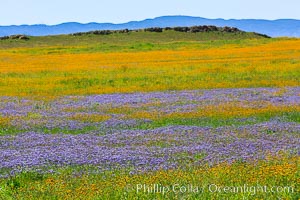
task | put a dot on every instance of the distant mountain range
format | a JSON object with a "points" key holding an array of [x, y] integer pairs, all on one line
{"points": [[274, 28]]}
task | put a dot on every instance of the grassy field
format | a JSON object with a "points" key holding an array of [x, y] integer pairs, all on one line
{"points": [[195, 183], [84, 65], [145, 115]]}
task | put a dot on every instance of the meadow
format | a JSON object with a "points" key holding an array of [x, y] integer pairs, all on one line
{"points": [[145, 115]]}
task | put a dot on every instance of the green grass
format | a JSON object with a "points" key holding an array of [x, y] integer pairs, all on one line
{"points": [[213, 122], [135, 41], [219, 122], [9, 130], [144, 62], [83, 183]]}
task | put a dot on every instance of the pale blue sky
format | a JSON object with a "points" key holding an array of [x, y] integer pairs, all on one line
{"points": [[117, 11]]}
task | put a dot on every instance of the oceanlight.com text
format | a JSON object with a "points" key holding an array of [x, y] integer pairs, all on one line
{"points": [[212, 188]]}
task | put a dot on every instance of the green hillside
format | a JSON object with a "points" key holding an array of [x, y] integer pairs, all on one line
{"points": [[131, 41]]}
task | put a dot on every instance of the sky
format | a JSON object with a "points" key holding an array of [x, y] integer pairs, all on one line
{"points": [[52, 12]]}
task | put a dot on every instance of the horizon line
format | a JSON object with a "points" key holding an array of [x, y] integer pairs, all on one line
{"points": [[84, 23]]}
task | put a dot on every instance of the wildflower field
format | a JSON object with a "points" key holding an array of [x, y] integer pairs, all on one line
{"points": [[150, 116]]}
